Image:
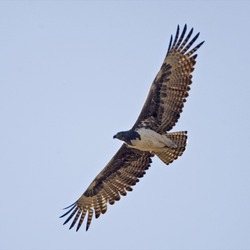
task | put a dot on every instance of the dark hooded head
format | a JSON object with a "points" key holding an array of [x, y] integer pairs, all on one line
{"points": [[127, 136]]}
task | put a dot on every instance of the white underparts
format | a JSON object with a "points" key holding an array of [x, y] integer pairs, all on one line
{"points": [[151, 140]]}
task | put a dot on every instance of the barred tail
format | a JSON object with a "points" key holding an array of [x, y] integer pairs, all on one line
{"points": [[168, 155]]}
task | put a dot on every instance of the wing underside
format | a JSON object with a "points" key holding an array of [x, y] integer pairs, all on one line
{"points": [[118, 177], [171, 85]]}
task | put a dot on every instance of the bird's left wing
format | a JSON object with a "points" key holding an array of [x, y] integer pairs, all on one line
{"points": [[122, 172], [171, 85]]}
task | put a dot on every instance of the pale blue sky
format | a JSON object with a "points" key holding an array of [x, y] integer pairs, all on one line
{"points": [[73, 73]]}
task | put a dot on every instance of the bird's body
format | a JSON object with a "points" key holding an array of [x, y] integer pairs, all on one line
{"points": [[146, 140], [148, 137]]}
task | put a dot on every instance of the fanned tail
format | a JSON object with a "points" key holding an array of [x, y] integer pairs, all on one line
{"points": [[168, 155]]}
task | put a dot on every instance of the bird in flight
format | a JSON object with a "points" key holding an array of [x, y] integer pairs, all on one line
{"points": [[149, 135]]}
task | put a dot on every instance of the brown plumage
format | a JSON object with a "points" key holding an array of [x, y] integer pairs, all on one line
{"points": [[159, 114], [169, 155], [170, 87]]}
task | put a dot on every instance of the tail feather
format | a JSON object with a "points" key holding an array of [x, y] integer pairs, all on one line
{"points": [[168, 155]]}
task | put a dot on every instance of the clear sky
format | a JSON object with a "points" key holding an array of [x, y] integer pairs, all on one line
{"points": [[73, 73]]}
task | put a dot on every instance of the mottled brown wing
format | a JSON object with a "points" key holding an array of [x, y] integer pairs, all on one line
{"points": [[170, 87], [122, 172]]}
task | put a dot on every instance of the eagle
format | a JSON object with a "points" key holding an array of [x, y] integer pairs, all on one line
{"points": [[148, 137]]}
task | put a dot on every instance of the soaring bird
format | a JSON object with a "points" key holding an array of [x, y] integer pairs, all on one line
{"points": [[148, 137]]}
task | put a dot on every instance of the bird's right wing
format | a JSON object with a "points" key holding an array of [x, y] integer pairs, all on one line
{"points": [[122, 172]]}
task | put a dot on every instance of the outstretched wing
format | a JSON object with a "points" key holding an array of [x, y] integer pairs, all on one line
{"points": [[170, 87], [122, 172]]}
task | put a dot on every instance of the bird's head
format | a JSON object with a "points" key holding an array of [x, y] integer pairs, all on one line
{"points": [[127, 136], [121, 136]]}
